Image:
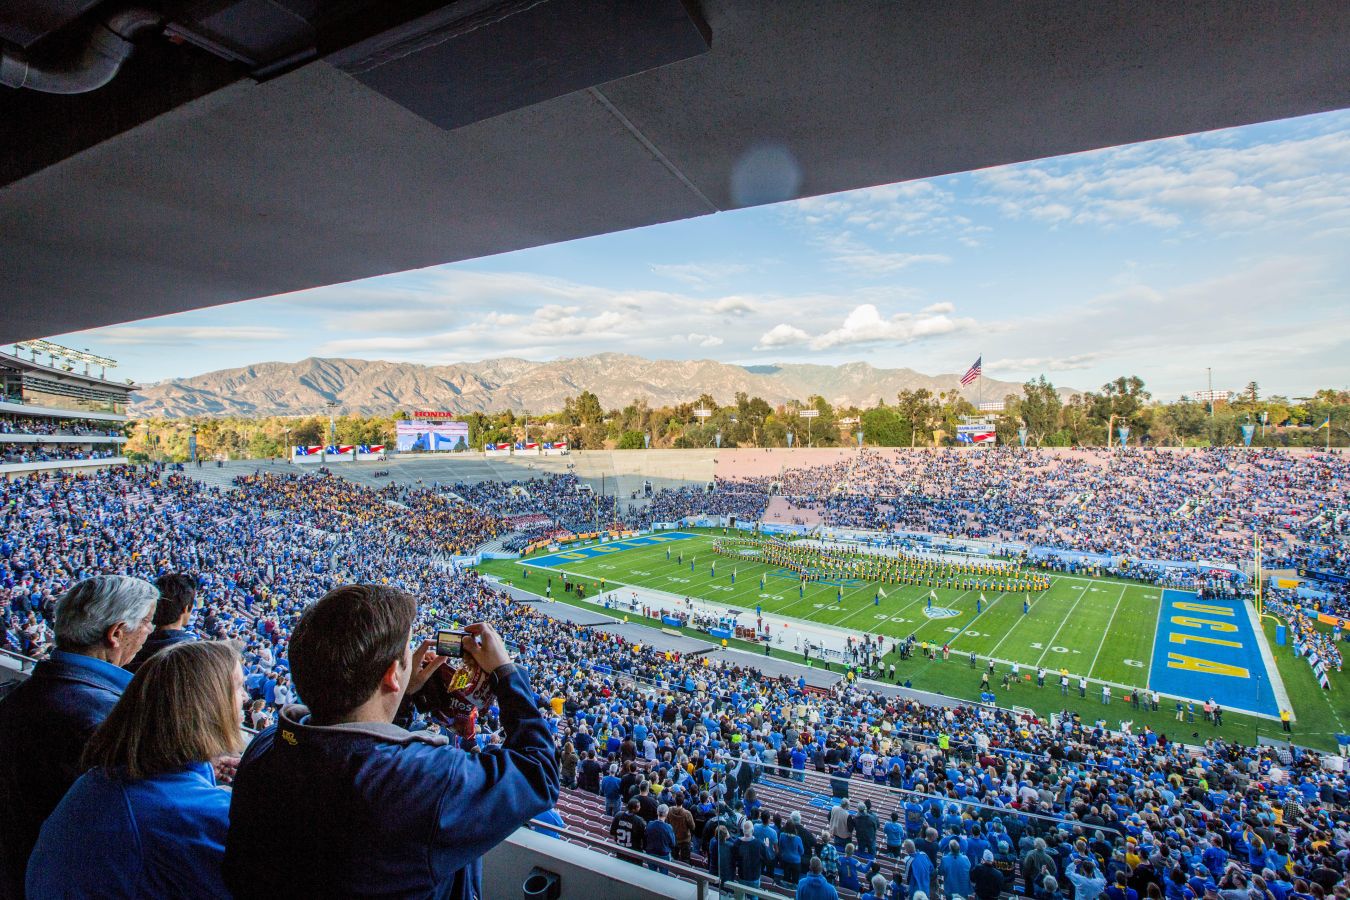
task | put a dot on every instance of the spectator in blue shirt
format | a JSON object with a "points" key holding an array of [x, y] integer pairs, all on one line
{"points": [[1215, 858], [660, 837], [849, 867], [813, 885], [366, 806], [1088, 882], [611, 789], [955, 872], [147, 820], [790, 852], [919, 879], [45, 722], [895, 834], [798, 763]]}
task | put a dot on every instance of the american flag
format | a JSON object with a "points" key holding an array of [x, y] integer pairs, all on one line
{"points": [[972, 373]]}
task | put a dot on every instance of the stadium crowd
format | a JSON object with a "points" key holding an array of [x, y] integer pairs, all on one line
{"points": [[47, 426], [1140, 504], [745, 500], [562, 498], [635, 725], [30, 453]]}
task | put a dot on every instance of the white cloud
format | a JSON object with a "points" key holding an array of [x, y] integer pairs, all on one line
{"points": [[735, 306], [865, 325], [187, 334], [1205, 182], [703, 340], [782, 335]]}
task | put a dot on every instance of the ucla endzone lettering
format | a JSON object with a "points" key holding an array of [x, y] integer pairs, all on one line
{"points": [[1208, 648], [580, 553]]}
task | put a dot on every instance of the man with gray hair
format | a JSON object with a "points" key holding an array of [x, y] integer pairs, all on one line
{"points": [[45, 722]]}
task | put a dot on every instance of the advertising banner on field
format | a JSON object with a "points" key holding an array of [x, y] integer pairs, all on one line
{"points": [[432, 437]]}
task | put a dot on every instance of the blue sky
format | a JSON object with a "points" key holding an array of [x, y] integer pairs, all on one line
{"points": [[1229, 249]]}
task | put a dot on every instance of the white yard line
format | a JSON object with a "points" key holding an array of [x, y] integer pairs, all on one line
{"points": [[1062, 623], [863, 608], [1102, 643], [1007, 634]]}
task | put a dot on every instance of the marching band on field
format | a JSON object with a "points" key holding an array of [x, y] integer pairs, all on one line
{"points": [[815, 564]]}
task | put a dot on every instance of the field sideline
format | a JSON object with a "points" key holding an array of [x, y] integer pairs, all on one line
{"points": [[1104, 628]]}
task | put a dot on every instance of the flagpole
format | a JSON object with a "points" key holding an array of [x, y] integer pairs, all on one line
{"points": [[979, 393]]}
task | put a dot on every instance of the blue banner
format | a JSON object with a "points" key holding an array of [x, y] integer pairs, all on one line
{"points": [[1124, 432], [789, 437], [1247, 432], [647, 441], [860, 440], [1022, 436]]}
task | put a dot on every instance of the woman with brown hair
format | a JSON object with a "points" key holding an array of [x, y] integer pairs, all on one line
{"points": [[147, 819]]}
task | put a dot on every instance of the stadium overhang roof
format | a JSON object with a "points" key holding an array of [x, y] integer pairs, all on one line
{"points": [[197, 178]]}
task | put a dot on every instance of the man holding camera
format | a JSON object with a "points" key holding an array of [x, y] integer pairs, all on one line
{"points": [[366, 806]]}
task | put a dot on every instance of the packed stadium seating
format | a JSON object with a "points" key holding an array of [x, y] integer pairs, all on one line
{"points": [[274, 542]]}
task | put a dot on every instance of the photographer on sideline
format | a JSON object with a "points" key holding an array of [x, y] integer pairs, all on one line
{"points": [[366, 806]]}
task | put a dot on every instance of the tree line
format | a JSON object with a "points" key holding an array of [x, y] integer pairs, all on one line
{"points": [[918, 418]]}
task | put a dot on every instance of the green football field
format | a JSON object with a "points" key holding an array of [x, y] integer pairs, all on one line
{"points": [[1102, 628]]}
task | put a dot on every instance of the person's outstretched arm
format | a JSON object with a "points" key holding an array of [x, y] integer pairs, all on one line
{"points": [[490, 794]]}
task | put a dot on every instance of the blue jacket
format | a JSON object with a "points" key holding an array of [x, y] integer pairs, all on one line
{"points": [[660, 838], [44, 724], [955, 875], [815, 887], [162, 836], [920, 873], [366, 808]]}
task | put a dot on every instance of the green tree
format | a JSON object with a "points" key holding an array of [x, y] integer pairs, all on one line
{"points": [[1187, 420], [589, 411], [920, 409], [630, 440], [883, 426], [1039, 409]]}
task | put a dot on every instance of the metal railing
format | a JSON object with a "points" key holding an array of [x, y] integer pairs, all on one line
{"points": [[702, 880], [1038, 824], [26, 663]]}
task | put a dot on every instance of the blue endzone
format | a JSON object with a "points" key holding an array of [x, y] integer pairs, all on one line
{"points": [[580, 554], [1187, 662]]}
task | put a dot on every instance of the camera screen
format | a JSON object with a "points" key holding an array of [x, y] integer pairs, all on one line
{"points": [[449, 643]]}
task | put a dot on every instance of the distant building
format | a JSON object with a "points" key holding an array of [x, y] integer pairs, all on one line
{"points": [[1213, 396], [57, 414]]}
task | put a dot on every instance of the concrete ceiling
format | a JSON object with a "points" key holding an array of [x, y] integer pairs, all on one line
{"points": [[313, 179]]}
